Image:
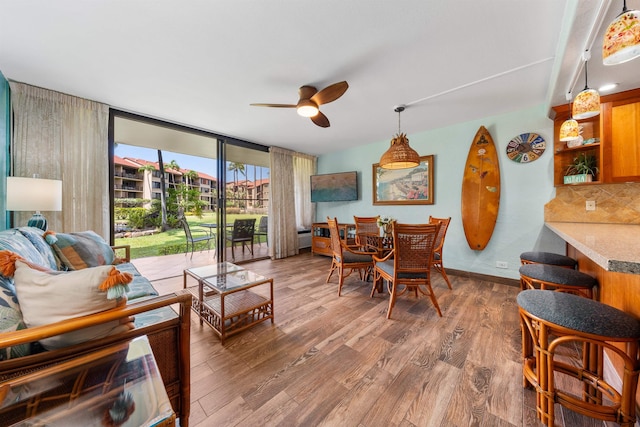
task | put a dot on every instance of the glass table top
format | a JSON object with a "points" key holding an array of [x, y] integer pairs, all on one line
{"points": [[214, 269], [233, 280]]}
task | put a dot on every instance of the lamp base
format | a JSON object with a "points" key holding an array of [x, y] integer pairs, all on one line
{"points": [[38, 221]]}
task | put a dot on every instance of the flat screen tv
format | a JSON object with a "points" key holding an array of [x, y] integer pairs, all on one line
{"points": [[334, 187]]}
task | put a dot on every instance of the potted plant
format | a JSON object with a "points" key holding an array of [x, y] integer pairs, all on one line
{"points": [[583, 169]]}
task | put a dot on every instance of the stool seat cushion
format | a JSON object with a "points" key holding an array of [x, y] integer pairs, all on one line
{"points": [[579, 313], [548, 258], [560, 275]]}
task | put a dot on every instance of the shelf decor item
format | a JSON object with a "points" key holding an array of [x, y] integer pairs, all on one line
{"points": [[583, 169], [621, 41]]}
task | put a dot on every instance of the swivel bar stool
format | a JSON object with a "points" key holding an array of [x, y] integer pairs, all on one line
{"points": [[553, 277], [549, 321], [538, 257]]}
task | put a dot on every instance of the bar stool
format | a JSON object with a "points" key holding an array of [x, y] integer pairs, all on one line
{"points": [[553, 277], [549, 320], [537, 257]]}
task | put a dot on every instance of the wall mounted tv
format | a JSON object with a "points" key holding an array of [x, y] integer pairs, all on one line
{"points": [[334, 187]]}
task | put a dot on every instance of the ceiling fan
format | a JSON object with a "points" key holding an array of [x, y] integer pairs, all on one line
{"points": [[310, 101]]}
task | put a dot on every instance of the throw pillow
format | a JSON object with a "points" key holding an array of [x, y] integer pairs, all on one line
{"points": [[10, 319], [49, 297], [80, 250]]}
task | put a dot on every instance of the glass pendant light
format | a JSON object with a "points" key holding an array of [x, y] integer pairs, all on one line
{"points": [[587, 102], [569, 129], [621, 41], [399, 155]]}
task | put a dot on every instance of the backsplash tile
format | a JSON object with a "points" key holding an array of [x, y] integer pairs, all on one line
{"points": [[615, 204]]}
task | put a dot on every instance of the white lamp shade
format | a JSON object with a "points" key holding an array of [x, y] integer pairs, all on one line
{"points": [[569, 130], [33, 194], [622, 39]]}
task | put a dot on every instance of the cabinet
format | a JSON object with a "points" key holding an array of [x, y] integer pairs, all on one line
{"points": [[616, 135], [321, 240]]}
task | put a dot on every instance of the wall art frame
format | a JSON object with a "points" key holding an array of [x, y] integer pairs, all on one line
{"points": [[413, 186]]}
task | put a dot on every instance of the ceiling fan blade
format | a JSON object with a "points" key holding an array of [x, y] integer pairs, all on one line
{"points": [[321, 120], [275, 105], [330, 93]]}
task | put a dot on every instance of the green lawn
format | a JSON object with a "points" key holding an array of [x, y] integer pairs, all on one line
{"points": [[173, 241]]}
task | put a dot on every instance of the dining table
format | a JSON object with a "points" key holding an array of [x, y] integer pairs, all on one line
{"points": [[212, 226]]}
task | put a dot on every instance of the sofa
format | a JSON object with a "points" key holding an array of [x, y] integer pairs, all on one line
{"points": [[163, 319]]}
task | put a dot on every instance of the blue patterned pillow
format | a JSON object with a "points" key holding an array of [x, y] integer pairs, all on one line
{"points": [[35, 236], [11, 318], [80, 250], [14, 241]]}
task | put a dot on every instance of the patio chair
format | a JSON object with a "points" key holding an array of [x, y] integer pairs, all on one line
{"points": [[410, 268], [191, 240], [263, 229], [242, 232]]}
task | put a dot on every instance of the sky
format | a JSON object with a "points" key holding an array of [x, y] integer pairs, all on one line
{"points": [[185, 161]]}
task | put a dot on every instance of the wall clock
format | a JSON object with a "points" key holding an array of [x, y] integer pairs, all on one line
{"points": [[526, 147]]}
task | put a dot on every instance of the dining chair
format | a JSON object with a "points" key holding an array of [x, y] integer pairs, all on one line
{"points": [[346, 258], [242, 232], [437, 251], [191, 240], [367, 232], [407, 267]]}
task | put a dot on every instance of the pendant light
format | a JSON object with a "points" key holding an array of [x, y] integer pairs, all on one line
{"points": [[399, 155], [587, 102], [621, 41], [569, 129]]}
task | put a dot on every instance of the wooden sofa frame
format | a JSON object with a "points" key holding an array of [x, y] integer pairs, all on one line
{"points": [[169, 340]]}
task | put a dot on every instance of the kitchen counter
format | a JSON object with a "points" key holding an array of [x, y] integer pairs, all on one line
{"points": [[614, 247]]}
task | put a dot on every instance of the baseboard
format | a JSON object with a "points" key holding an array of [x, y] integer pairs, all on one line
{"points": [[483, 277]]}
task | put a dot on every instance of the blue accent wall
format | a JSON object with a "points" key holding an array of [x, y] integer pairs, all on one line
{"points": [[5, 138]]}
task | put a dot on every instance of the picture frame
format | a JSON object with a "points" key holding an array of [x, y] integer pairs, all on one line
{"points": [[413, 186]]}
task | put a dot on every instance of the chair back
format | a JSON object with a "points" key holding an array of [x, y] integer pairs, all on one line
{"points": [[444, 225], [187, 230], [243, 229], [334, 237], [367, 225], [263, 225], [413, 246]]}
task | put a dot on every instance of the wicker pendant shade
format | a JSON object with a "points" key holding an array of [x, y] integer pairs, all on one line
{"points": [[399, 155]]}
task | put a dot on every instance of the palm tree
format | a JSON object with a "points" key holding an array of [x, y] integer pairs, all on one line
{"points": [[236, 167], [173, 165], [163, 197]]}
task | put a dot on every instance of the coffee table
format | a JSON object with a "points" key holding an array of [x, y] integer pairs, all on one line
{"points": [[229, 298]]}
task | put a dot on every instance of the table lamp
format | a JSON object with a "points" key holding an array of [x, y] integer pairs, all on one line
{"points": [[34, 194]]}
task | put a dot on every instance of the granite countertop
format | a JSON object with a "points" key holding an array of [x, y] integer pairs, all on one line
{"points": [[614, 247]]}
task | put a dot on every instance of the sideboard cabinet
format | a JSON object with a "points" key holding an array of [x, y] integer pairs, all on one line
{"points": [[321, 238], [613, 136]]}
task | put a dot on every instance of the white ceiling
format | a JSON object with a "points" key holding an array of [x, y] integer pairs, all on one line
{"points": [[201, 63]]}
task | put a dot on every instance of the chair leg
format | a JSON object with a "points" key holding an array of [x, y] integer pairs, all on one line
{"points": [[441, 270], [392, 302], [333, 267], [433, 299], [341, 279]]}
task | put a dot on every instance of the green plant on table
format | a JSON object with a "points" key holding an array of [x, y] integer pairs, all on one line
{"points": [[583, 163]]}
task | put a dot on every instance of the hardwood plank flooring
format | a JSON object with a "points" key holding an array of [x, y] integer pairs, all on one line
{"points": [[337, 361]]}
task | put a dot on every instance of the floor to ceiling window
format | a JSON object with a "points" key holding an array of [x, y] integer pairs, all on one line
{"points": [[209, 180]]}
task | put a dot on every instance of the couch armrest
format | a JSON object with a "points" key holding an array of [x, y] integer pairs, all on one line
{"points": [[127, 252]]}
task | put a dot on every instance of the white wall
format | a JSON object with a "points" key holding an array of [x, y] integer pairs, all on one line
{"points": [[525, 188]]}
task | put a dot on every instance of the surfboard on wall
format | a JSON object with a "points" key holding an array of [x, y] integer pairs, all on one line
{"points": [[480, 190]]}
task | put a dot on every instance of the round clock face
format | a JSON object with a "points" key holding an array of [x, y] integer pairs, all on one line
{"points": [[526, 147]]}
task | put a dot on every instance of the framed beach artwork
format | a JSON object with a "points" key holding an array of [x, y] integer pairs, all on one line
{"points": [[412, 186]]}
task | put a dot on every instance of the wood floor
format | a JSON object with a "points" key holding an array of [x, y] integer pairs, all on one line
{"points": [[337, 361]]}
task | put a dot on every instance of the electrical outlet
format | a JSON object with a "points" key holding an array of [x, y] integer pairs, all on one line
{"points": [[591, 205], [502, 264]]}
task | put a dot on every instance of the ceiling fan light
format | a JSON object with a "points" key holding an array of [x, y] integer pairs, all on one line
{"points": [[586, 104], [569, 130], [400, 155], [307, 108], [621, 41]]}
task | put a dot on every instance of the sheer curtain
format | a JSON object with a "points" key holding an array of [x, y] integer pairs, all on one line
{"points": [[59, 136], [288, 173]]}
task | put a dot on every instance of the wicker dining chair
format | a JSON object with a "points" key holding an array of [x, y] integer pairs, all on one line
{"points": [[345, 258], [437, 251], [408, 266], [368, 233]]}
